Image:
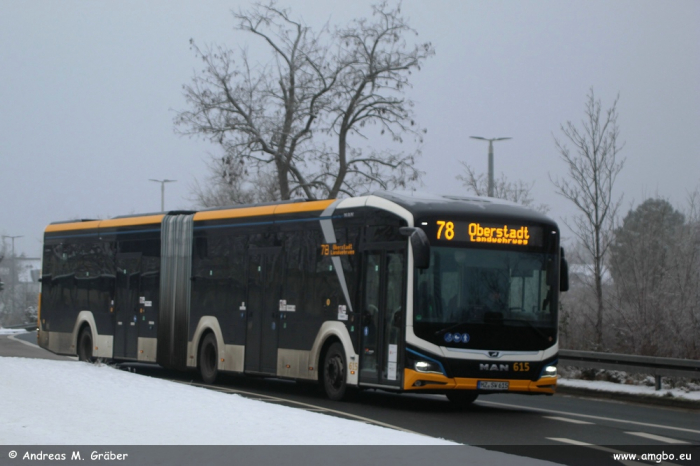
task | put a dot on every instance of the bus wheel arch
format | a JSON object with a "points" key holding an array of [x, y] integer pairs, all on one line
{"points": [[208, 357]]}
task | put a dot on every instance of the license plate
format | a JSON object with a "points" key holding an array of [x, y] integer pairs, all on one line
{"points": [[484, 385]]}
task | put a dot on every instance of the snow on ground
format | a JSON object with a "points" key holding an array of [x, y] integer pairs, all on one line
{"points": [[63, 402], [602, 386], [53, 403]]}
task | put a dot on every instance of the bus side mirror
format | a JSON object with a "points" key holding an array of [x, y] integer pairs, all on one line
{"points": [[419, 244], [563, 273]]}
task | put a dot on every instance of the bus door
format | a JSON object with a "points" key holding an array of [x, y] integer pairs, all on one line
{"points": [[264, 286], [383, 315], [126, 305]]}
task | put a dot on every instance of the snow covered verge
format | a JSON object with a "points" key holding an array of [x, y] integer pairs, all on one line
{"points": [[52, 406], [601, 380], [61, 403]]}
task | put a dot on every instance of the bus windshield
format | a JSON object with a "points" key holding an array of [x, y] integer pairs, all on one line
{"points": [[487, 299]]}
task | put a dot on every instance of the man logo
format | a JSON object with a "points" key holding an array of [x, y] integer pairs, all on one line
{"points": [[494, 367], [494, 354]]}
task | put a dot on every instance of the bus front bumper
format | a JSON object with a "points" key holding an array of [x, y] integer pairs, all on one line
{"points": [[420, 381]]}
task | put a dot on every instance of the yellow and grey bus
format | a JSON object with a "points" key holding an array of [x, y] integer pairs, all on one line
{"points": [[400, 292]]}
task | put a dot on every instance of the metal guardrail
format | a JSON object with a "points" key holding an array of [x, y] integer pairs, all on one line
{"points": [[658, 367]]}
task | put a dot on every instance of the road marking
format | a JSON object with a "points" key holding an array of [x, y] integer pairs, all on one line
{"points": [[658, 438], [570, 441], [566, 419], [307, 406], [588, 416]]}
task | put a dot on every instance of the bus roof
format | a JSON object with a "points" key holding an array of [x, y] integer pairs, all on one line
{"points": [[427, 204], [417, 203], [282, 207]]}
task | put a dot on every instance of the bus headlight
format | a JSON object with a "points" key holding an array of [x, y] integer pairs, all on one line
{"points": [[427, 366], [549, 371]]}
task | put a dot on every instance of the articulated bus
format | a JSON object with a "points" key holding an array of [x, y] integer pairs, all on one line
{"points": [[399, 292]]}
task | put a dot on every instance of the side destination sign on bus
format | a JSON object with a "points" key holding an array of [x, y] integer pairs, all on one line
{"points": [[337, 250]]}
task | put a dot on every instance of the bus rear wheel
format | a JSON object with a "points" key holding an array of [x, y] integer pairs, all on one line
{"points": [[85, 345], [208, 359], [461, 399], [334, 373]]}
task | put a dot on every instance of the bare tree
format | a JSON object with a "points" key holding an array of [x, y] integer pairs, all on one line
{"points": [[655, 264], [375, 63], [11, 298], [261, 115], [4, 297], [268, 118], [513, 191], [592, 167], [231, 184], [683, 284], [640, 261]]}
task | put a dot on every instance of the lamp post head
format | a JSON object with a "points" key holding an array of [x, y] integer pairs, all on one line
{"points": [[13, 238], [489, 139], [162, 181], [162, 191]]}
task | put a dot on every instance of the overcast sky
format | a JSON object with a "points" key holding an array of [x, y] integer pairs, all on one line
{"points": [[89, 89]]}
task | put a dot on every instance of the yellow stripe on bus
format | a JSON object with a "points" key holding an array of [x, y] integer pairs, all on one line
{"points": [[303, 206], [235, 213], [111, 223], [131, 221], [263, 210], [72, 226], [199, 216]]}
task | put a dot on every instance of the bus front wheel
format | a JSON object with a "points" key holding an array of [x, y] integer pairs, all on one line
{"points": [[334, 372], [85, 345], [208, 359]]}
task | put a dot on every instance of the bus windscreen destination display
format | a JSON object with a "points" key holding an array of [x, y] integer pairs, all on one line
{"points": [[477, 232]]}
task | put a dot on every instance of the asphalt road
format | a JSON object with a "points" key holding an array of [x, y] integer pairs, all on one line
{"points": [[564, 429], [24, 345]]}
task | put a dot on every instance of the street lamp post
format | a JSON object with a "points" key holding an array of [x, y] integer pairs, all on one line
{"points": [[490, 159], [162, 192], [13, 272]]}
